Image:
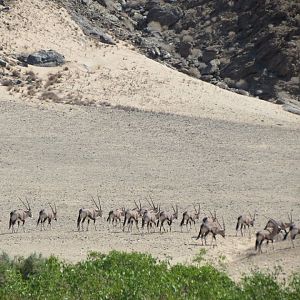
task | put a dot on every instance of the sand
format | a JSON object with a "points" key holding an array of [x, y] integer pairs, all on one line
{"points": [[190, 143]]}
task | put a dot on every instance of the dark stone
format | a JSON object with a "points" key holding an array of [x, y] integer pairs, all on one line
{"points": [[151, 4], [184, 49], [291, 109], [45, 58], [2, 63], [209, 54], [165, 16], [222, 85], [207, 78], [86, 2], [211, 69], [101, 36]]}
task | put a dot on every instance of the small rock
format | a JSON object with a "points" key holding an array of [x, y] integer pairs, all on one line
{"points": [[279, 101], [242, 92], [2, 63], [202, 66], [209, 54], [207, 78], [241, 84], [184, 48], [212, 68], [101, 36], [258, 92], [291, 109], [194, 72], [165, 54], [222, 85]]}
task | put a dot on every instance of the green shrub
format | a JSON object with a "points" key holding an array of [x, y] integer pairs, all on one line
{"points": [[121, 275]]}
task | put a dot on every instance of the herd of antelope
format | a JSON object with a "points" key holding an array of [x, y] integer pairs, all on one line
{"points": [[153, 216]]}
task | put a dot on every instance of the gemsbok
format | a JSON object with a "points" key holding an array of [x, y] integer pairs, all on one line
{"points": [[213, 227], [19, 215], [294, 230], [114, 216], [167, 217], [150, 216], [132, 216], [45, 215], [244, 221], [211, 220], [189, 218], [89, 214], [267, 234]]}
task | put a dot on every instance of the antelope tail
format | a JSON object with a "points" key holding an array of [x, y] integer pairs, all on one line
{"points": [[182, 221], [79, 218], [109, 216], [10, 221], [238, 223], [257, 241], [199, 233]]}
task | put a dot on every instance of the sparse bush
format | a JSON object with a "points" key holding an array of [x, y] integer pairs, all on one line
{"points": [[53, 79], [16, 73], [31, 76], [7, 82], [50, 96]]}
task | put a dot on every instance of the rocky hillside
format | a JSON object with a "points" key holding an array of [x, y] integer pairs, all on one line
{"points": [[247, 46]]}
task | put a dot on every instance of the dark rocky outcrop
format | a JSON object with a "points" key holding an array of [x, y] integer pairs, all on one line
{"points": [[247, 46], [43, 58], [164, 15]]}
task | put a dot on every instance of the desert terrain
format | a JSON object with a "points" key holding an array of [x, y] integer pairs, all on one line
{"points": [[127, 127]]}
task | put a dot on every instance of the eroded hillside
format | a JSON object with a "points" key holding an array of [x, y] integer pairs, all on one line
{"points": [[246, 46]]}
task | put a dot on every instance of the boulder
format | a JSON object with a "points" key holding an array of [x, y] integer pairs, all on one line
{"points": [[45, 58], [209, 54], [184, 49], [165, 16], [212, 68], [292, 109]]}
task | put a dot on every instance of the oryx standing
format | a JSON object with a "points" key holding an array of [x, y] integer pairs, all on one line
{"points": [[243, 221], [169, 217], [213, 227], [189, 218], [294, 230], [114, 216], [90, 214], [268, 234], [19, 215], [45, 215]]}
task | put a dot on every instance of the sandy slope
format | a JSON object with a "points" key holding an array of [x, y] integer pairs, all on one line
{"points": [[99, 73], [229, 152]]}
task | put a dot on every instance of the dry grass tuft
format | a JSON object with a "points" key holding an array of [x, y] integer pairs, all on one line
{"points": [[50, 96]]}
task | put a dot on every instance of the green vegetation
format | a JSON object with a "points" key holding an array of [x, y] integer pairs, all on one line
{"points": [[132, 276]]}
